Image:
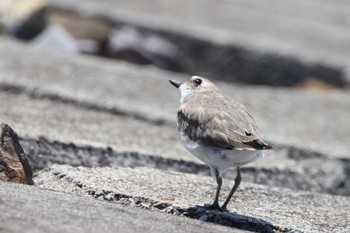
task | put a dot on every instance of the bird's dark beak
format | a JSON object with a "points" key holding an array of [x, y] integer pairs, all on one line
{"points": [[175, 83]]}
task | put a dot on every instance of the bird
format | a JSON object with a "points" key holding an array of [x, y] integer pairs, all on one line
{"points": [[218, 131]]}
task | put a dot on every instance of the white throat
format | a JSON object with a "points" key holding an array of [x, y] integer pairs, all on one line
{"points": [[185, 94]]}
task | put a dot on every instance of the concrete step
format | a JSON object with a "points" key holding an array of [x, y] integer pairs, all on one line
{"points": [[31, 209], [172, 192], [312, 121]]}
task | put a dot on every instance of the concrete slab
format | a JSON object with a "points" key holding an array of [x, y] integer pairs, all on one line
{"points": [[144, 187], [31, 209], [295, 169], [312, 121], [34, 118], [66, 123], [312, 30]]}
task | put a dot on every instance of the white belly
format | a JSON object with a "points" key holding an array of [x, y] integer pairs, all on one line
{"points": [[219, 158]]}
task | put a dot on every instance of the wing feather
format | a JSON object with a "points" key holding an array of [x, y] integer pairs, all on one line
{"points": [[219, 123]]}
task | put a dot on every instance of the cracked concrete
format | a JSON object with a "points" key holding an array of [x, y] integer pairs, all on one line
{"points": [[50, 211], [329, 176], [311, 212]]}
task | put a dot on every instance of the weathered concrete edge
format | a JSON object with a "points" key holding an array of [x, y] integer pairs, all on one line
{"points": [[229, 219], [74, 213], [33, 93], [77, 154]]}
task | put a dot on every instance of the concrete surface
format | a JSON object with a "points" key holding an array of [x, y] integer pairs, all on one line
{"points": [[311, 30], [31, 209], [60, 99], [113, 124], [144, 187], [67, 123], [315, 121], [76, 127]]}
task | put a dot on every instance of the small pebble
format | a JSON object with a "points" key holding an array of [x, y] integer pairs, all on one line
{"points": [[204, 217]]}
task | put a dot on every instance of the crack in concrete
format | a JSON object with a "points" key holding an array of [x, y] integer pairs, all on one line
{"points": [[43, 153], [293, 152], [225, 218], [233, 220], [40, 94]]}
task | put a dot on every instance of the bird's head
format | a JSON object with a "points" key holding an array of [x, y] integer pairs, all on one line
{"points": [[193, 86]]}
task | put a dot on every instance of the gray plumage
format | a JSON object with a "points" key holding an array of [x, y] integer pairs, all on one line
{"points": [[215, 120], [217, 130]]}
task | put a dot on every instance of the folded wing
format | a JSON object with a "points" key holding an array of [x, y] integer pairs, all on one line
{"points": [[219, 123]]}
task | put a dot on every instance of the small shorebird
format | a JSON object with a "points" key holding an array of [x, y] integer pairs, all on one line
{"points": [[217, 130]]}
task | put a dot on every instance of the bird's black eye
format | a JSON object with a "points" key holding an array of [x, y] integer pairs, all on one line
{"points": [[197, 81]]}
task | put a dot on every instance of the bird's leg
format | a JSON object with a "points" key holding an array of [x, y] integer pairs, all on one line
{"points": [[215, 204], [238, 180]]}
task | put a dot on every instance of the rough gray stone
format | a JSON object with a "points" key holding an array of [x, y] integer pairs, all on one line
{"points": [[144, 187], [14, 165], [30, 209]]}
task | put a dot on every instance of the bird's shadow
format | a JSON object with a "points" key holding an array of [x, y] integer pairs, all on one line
{"points": [[231, 219]]}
